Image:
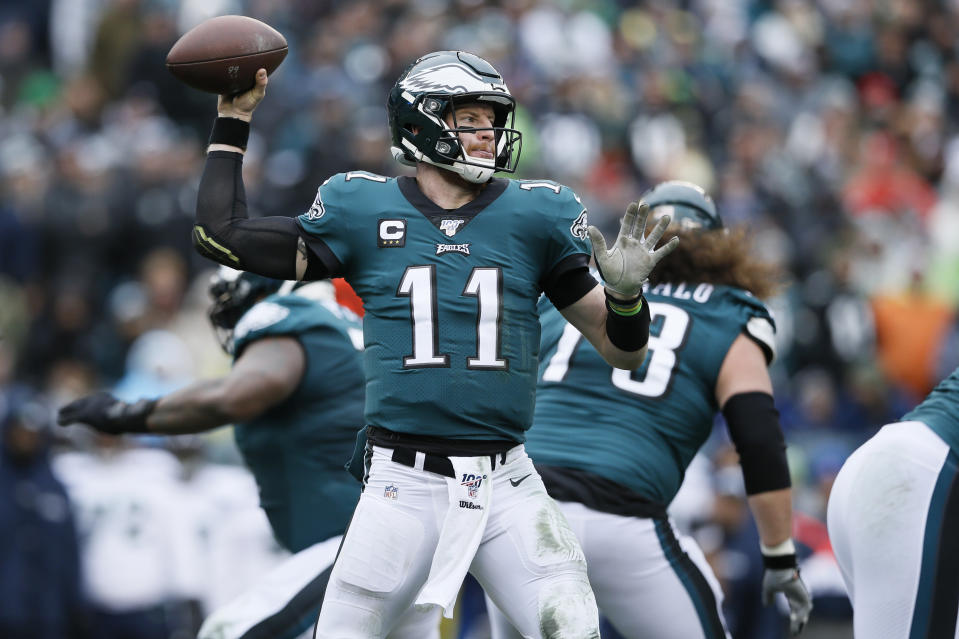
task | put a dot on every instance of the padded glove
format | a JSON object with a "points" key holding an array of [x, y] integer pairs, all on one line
{"points": [[787, 581], [625, 267], [107, 414]]}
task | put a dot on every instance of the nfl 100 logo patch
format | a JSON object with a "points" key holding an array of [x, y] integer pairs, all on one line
{"points": [[391, 492], [472, 483], [450, 227]]}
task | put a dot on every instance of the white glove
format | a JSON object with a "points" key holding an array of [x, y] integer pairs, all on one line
{"points": [[626, 266], [788, 582]]}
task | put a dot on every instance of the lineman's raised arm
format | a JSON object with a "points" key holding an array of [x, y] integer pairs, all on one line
{"points": [[616, 320], [223, 232]]}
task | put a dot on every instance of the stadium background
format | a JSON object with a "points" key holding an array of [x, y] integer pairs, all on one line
{"points": [[826, 126]]}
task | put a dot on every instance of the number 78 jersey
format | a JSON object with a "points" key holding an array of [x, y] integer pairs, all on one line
{"points": [[641, 428], [451, 327]]}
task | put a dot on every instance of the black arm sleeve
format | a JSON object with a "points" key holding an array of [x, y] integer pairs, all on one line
{"points": [[569, 281], [627, 332], [224, 233], [753, 423]]}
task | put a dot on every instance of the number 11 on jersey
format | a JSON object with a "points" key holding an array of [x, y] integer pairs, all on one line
{"points": [[486, 285]]}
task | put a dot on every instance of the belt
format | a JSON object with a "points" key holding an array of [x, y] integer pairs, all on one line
{"points": [[432, 462]]}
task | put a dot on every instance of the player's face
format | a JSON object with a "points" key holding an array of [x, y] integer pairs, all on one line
{"points": [[479, 144]]}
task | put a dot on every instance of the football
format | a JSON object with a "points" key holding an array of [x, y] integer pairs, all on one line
{"points": [[221, 55]]}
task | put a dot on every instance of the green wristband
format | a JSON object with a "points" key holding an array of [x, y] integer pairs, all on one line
{"points": [[626, 308]]}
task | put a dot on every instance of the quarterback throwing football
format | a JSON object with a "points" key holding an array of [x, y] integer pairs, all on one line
{"points": [[450, 265]]}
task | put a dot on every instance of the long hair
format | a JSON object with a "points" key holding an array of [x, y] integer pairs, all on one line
{"points": [[717, 257]]}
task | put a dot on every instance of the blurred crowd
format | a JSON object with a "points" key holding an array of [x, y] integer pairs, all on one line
{"points": [[828, 127]]}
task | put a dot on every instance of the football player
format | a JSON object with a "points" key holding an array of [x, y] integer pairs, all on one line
{"points": [[449, 264], [295, 395], [893, 519], [612, 445]]}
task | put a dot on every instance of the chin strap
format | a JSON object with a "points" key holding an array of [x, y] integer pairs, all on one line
{"points": [[469, 172], [400, 156]]}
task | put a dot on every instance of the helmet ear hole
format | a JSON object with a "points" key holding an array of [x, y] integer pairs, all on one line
{"points": [[449, 147]]}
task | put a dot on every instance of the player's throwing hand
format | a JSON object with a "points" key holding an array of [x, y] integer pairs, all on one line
{"points": [[633, 257], [241, 106]]}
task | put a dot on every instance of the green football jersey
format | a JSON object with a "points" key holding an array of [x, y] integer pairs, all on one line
{"points": [[641, 428], [297, 449], [940, 410], [451, 325]]}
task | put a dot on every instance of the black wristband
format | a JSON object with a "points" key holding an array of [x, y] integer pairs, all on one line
{"points": [[780, 562], [230, 131], [627, 332]]}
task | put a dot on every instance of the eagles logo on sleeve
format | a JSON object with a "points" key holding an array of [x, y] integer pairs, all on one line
{"points": [[317, 209], [579, 226]]}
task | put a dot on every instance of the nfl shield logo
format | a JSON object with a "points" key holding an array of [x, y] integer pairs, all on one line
{"points": [[472, 483], [450, 227], [391, 491]]}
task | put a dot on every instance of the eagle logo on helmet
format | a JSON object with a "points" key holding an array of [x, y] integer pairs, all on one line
{"points": [[448, 78]]}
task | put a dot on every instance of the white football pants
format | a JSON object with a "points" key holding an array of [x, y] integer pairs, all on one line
{"points": [[893, 520], [649, 581], [528, 559], [285, 603]]}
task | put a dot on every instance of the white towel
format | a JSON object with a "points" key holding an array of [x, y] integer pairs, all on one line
{"points": [[470, 493]]}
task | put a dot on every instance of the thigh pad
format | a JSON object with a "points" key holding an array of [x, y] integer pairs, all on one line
{"points": [[380, 547]]}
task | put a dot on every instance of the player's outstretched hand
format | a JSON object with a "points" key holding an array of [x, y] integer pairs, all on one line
{"points": [[242, 105], [788, 582], [633, 257], [107, 414]]}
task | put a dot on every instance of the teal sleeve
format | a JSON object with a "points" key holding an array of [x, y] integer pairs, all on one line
{"points": [[568, 233], [328, 221]]}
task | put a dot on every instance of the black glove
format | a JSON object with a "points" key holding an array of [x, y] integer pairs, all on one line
{"points": [[781, 574], [107, 414]]}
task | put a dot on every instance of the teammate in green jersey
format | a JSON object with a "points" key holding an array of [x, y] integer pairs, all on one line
{"points": [[613, 445], [893, 520], [295, 393], [450, 264]]}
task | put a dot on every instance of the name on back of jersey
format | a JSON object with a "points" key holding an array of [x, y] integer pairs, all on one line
{"points": [[701, 293]]}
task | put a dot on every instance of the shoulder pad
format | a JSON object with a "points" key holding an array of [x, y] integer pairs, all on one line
{"points": [[263, 315], [548, 190], [557, 202], [353, 180], [340, 186], [763, 332], [750, 303], [364, 175], [759, 324], [293, 314]]}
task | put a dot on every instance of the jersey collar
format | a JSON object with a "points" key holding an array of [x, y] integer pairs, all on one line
{"points": [[411, 191]]}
